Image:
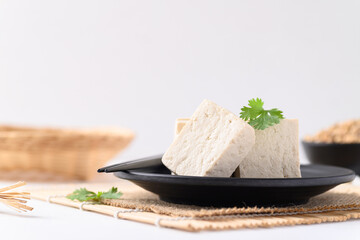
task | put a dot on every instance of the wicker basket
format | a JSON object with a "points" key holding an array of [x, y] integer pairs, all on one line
{"points": [[71, 153]]}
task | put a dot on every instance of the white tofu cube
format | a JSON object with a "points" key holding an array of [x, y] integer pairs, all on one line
{"points": [[275, 153], [212, 143]]}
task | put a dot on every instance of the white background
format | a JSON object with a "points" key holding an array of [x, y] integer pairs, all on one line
{"points": [[141, 64]]}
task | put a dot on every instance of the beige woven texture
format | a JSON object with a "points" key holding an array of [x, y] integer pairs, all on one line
{"points": [[136, 204], [70, 153]]}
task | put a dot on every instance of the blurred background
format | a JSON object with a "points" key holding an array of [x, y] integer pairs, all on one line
{"points": [[141, 64]]}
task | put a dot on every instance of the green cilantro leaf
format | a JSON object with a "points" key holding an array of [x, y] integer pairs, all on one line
{"points": [[258, 117], [111, 194], [276, 113], [255, 109], [256, 104], [83, 194]]}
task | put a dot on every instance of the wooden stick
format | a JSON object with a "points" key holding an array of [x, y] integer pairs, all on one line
{"points": [[16, 185], [15, 193], [15, 200], [12, 197]]}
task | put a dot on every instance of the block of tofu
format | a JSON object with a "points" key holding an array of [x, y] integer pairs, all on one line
{"points": [[274, 155], [212, 143]]}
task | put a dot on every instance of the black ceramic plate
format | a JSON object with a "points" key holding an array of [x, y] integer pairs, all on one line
{"points": [[212, 191]]}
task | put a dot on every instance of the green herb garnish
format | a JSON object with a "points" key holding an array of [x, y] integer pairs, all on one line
{"points": [[258, 117], [83, 194]]}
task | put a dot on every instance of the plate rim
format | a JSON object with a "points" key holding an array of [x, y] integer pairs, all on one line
{"points": [[347, 175]]}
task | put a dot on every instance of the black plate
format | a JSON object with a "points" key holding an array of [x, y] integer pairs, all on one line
{"points": [[213, 191]]}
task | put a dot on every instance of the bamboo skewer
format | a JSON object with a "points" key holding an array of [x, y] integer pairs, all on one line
{"points": [[15, 200]]}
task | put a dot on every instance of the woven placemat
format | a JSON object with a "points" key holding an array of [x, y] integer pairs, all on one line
{"points": [[339, 204]]}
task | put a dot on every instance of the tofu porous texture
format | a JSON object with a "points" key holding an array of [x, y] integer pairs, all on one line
{"points": [[275, 153], [212, 143]]}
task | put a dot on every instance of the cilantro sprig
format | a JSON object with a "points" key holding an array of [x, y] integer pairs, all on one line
{"points": [[83, 194], [258, 117]]}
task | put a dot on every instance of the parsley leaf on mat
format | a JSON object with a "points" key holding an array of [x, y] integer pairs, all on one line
{"points": [[111, 194], [83, 194], [258, 117]]}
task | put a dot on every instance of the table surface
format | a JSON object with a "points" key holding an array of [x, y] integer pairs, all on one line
{"points": [[51, 221]]}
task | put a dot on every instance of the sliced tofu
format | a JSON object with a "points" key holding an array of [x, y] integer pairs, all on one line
{"points": [[275, 153], [212, 143]]}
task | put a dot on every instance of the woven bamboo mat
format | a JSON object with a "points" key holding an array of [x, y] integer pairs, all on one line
{"points": [[337, 205]]}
